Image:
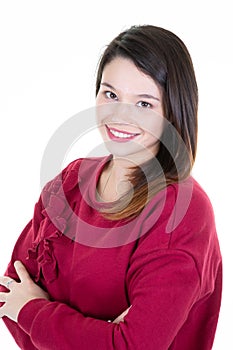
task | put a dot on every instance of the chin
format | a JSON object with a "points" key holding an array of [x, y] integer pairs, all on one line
{"points": [[130, 151]]}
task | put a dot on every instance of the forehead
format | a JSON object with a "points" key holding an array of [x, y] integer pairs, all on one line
{"points": [[123, 75]]}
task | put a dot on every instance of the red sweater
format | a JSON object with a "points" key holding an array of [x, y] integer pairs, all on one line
{"points": [[166, 264]]}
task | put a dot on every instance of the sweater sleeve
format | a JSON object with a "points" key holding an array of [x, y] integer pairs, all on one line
{"points": [[24, 242], [22, 339], [163, 286]]}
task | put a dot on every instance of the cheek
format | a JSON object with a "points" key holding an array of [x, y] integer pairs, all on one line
{"points": [[158, 128], [100, 98], [102, 130], [99, 111], [153, 126]]}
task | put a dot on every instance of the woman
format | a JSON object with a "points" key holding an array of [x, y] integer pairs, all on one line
{"points": [[122, 251]]}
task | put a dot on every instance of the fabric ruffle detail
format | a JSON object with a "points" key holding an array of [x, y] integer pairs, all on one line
{"points": [[55, 212], [47, 264]]}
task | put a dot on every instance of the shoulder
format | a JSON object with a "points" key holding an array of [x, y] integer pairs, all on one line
{"points": [[181, 217], [78, 170], [194, 228], [83, 163], [183, 203], [192, 208]]}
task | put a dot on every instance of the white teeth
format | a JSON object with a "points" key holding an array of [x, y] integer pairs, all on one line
{"points": [[121, 134]]}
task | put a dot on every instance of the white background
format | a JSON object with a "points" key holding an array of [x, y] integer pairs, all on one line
{"points": [[49, 51]]}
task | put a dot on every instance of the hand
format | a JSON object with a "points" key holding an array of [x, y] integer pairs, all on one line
{"points": [[19, 293], [121, 317]]}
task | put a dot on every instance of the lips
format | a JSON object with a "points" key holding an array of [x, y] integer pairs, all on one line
{"points": [[120, 135]]}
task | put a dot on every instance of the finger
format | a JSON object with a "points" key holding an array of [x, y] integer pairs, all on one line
{"points": [[126, 312], [3, 297], [120, 318], [5, 280], [21, 271], [2, 311]]}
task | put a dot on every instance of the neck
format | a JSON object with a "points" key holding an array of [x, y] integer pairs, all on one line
{"points": [[113, 182]]}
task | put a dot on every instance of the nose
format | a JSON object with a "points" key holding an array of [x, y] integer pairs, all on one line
{"points": [[121, 113], [124, 112]]}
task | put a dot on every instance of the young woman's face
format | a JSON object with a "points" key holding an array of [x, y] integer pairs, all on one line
{"points": [[129, 110]]}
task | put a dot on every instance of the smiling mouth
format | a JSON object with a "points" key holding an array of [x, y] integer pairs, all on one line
{"points": [[120, 135]]}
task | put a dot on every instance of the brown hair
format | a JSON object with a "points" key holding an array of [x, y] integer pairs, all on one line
{"points": [[160, 54]]}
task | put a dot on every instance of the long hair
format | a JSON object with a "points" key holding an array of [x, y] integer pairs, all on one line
{"points": [[161, 55]]}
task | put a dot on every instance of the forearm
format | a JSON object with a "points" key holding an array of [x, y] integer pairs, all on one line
{"points": [[53, 325], [22, 339]]}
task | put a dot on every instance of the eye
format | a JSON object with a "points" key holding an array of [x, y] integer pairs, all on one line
{"points": [[110, 95], [144, 104]]}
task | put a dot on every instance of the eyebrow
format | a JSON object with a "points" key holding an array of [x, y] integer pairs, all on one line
{"points": [[139, 95]]}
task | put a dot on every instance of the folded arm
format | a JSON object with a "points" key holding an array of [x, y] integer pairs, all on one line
{"points": [[161, 293]]}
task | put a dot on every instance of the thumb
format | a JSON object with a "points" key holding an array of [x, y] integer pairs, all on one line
{"points": [[21, 271]]}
